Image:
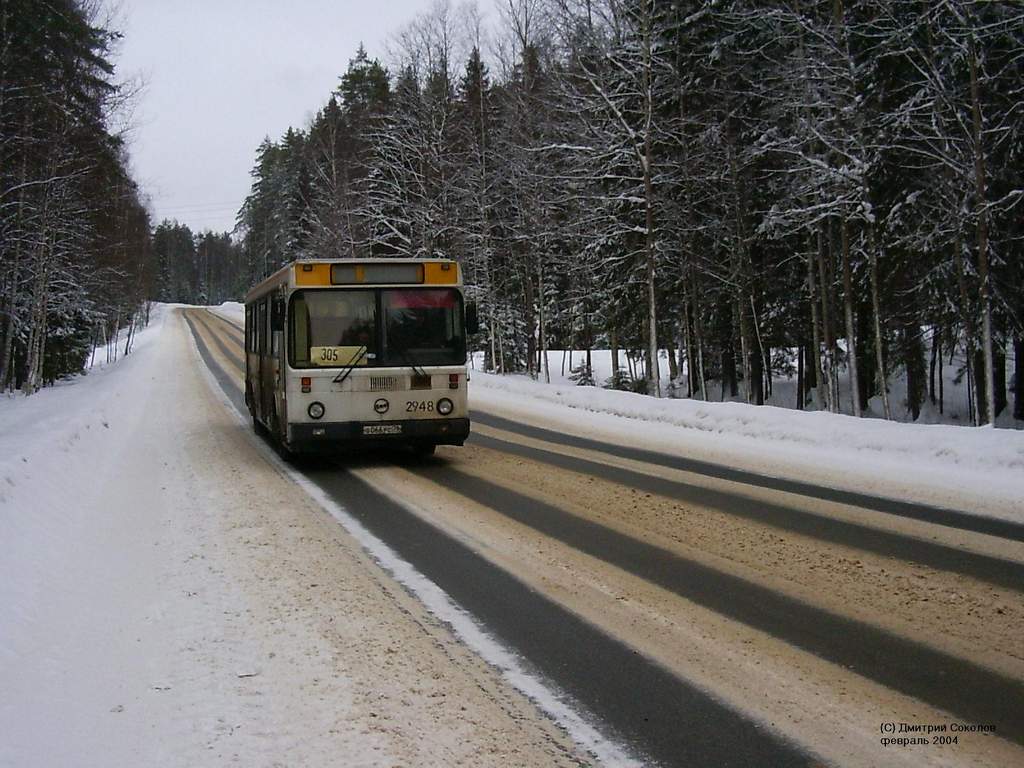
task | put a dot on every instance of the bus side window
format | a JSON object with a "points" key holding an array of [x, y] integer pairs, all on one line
{"points": [[248, 328], [276, 325], [300, 331]]}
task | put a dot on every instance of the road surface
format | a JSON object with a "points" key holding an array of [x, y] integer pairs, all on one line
{"points": [[700, 615]]}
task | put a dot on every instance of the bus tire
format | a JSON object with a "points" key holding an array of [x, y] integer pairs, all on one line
{"points": [[287, 455], [425, 449], [257, 425], [280, 441]]}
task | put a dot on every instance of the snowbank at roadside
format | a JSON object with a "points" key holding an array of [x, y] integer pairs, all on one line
{"points": [[33, 427], [978, 470], [232, 311], [64, 558]]}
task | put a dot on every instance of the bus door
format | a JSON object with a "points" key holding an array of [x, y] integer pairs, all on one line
{"points": [[263, 342], [259, 340], [275, 358], [250, 346]]}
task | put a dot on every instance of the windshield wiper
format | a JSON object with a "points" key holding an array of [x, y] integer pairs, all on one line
{"points": [[344, 373], [403, 352]]}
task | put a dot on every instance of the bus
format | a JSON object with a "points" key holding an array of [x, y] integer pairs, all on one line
{"points": [[348, 353]]}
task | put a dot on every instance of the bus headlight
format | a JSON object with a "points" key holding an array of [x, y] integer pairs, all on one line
{"points": [[444, 406], [315, 410]]}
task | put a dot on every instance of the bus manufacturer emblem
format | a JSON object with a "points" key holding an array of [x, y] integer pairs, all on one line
{"points": [[381, 405]]}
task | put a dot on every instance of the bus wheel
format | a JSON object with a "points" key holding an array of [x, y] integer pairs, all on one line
{"points": [[425, 449], [288, 456], [280, 444]]}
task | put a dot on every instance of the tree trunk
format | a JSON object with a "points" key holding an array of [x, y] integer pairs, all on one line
{"points": [[613, 342], [978, 364], [493, 331], [542, 326], [759, 367], [999, 377], [1018, 377], [800, 375], [531, 340], [876, 311], [688, 345], [7, 356], [698, 340], [982, 238], [851, 338], [973, 402], [729, 368], [37, 323], [501, 356], [865, 366], [913, 359], [654, 372], [673, 365], [934, 360], [570, 339], [941, 383], [740, 328], [130, 341], [822, 397], [831, 377]]}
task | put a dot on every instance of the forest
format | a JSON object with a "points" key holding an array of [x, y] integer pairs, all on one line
{"points": [[74, 232], [824, 189], [827, 189]]}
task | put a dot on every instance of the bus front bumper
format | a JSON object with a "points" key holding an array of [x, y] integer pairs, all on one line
{"points": [[318, 437]]}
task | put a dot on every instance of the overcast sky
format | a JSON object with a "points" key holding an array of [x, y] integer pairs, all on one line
{"points": [[222, 74]]}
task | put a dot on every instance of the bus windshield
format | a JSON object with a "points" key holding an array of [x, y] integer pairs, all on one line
{"points": [[342, 327], [423, 326]]}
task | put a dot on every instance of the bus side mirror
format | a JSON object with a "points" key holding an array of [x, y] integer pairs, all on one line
{"points": [[472, 321], [277, 315]]}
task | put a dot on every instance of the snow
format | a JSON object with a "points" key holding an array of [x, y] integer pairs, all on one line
{"points": [[475, 636], [783, 394], [231, 310], [978, 470], [160, 610], [140, 625]]}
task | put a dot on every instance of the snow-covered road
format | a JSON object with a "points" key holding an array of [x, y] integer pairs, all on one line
{"points": [[812, 612], [180, 597]]}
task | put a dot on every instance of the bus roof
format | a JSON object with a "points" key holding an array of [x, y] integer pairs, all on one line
{"points": [[326, 273]]}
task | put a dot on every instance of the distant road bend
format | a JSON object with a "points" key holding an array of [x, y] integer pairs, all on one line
{"points": [[701, 615]]}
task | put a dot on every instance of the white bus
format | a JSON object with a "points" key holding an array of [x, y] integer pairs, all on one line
{"points": [[348, 353]]}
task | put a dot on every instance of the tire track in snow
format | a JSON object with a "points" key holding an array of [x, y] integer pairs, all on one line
{"points": [[956, 685], [994, 570], [951, 518]]}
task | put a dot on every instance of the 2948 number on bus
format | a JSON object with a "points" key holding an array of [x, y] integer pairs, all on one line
{"points": [[419, 406]]}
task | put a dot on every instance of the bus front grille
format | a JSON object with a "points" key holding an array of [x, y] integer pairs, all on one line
{"points": [[383, 383]]}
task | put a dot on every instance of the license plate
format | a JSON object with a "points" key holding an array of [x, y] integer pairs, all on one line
{"points": [[382, 429]]}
